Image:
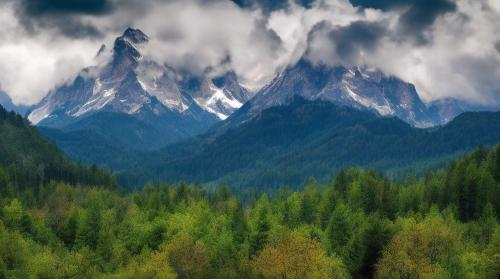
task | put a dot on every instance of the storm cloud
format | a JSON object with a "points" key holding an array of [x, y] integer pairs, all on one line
{"points": [[41, 7], [416, 15], [64, 16], [268, 6], [447, 48], [347, 44]]}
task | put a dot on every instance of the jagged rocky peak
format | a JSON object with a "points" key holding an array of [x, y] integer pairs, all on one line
{"points": [[134, 36], [230, 82], [128, 45]]}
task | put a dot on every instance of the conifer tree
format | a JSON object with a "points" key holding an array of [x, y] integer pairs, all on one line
{"points": [[339, 229]]}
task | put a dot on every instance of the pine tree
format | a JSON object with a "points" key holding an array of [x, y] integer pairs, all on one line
{"points": [[88, 229], [262, 225], [341, 183], [239, 226], [310, 202], [339, 229], [69, 228]]}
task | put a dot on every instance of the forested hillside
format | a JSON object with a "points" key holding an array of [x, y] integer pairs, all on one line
{"points": [[359, 225], [285, 145], [28, 160]]}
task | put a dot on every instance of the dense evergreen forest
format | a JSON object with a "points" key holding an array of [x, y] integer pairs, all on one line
{"points": [[31, 160], [63, 220]]}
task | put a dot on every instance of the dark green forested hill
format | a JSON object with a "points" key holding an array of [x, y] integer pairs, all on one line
{"points": [[285, 145], [29, 160], [21, 144], [90, 146]]}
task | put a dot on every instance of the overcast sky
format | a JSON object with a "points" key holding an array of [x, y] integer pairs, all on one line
{"points": [[447, 48]]}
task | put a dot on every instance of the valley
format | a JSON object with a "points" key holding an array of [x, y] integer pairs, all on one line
{"points": [[152, 123]]}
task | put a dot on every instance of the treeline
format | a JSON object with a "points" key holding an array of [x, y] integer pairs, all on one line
{"points": [[29, 161], [361, 225]]}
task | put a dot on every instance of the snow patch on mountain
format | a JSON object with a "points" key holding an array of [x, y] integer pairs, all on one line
{"points": [[220, 102], [40, 113], [99, 101], [161, 82], [384, 109]]}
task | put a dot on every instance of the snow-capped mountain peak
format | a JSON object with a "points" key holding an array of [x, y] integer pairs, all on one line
{"points": [[135, 84], [358, 87], [134, 36]]}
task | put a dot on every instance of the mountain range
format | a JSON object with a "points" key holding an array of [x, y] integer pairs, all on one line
{"points": [[150, 121], [361, 88], [154, 105]]}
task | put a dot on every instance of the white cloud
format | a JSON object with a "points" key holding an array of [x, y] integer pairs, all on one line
{"points": [[200, 36], [31, 65], [461, 61]]}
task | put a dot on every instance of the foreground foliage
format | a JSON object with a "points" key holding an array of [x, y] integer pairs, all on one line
{"points": [[361, 225], [62, 220]]}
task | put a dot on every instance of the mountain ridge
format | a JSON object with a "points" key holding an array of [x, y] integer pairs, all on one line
{"points": [[361, 88]]}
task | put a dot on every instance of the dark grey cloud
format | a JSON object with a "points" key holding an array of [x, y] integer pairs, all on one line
{"points": [[267, 5], [271, 5], [482, 74], [43, 7], [347, 42], [62, 15], [417, 18], [359, 35], [66, 25], [497, 46]]}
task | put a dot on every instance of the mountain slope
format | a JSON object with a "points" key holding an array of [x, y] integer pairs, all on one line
{"points": [[286, 144], [20, 143], [33, 160]]}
